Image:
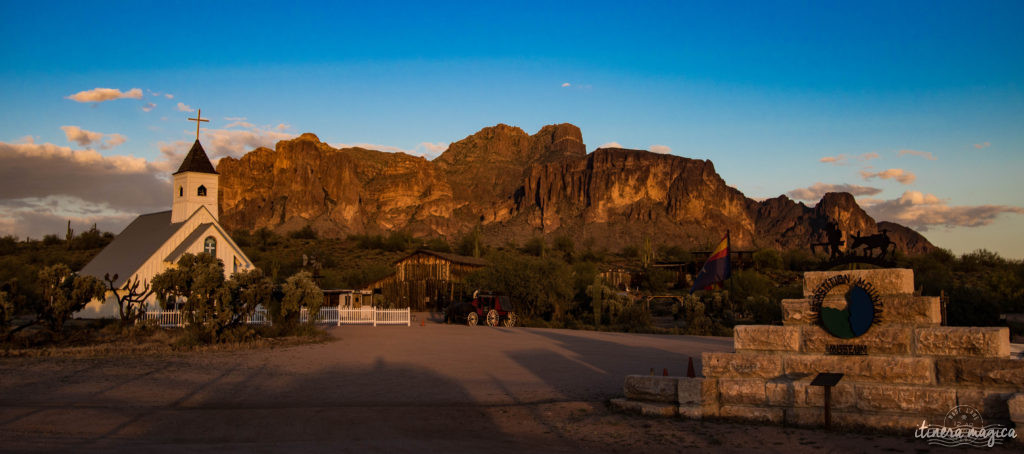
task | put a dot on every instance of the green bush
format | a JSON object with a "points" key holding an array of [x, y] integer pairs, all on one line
{"points": [[305, 233], [768, 259]]}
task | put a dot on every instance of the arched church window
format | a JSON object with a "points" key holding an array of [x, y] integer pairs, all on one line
{"points": [[181, 191], [201, 191], [210, 246]]}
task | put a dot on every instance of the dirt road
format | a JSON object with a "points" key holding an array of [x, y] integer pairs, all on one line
{"points": [[415, 389]]}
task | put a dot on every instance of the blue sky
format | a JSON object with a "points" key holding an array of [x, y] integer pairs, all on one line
{"points": [[766, 90]]}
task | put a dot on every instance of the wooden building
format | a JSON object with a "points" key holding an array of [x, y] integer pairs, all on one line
{"points": [[427, 280], [348, 299]]}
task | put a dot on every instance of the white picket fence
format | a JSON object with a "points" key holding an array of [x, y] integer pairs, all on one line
{"points": [[166, 319], [326, 316]]}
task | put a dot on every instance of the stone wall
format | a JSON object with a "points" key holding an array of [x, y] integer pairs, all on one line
{"points": [[908, 368]]}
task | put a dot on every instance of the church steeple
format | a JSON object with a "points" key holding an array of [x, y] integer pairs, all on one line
{"points": [[196, 161], [196, 183]]}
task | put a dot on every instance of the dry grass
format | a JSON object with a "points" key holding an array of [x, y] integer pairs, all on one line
{"points": [[113, 341]]}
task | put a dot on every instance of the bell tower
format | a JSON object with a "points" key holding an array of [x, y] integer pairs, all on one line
{"points": [[196, 183]]}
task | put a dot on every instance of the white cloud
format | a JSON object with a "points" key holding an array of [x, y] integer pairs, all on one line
{"points": [[817, 190], [148, 107], [240, 124], [900, 175], [924, 154], [843, 159], [922, 211], [427, 150], [661, 149], [185, 108], [168, 96], [36, 217], [979, 146], [105, 94], [86, 138], [611, 145], [433, 150], [44, 185], [566, 84], [219, 143]]}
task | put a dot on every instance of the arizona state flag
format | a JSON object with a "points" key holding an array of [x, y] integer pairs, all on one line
{"points": [[716, 269]]}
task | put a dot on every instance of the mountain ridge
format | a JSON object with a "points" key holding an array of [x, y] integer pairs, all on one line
{"points": [[513, 186]]}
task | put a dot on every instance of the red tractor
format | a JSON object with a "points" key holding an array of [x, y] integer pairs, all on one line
{"points": [[494, 309]]}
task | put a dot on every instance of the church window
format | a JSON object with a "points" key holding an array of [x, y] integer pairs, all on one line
{"points": [[201, 191], [210, 246], [236, 264], [181, 191]]}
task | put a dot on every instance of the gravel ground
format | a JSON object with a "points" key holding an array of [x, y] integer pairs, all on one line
{"points": [[433, 388]]}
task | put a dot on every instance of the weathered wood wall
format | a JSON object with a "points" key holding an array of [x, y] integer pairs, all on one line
{"points": [[422, 280]]}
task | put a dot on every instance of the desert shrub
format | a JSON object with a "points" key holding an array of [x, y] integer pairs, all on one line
{"points": [[305, 233], [299, 291], [540, 287], [693, 315], [438, 245], [768, 259], [799, 260], [674, 253], [6, 313], [657, 280], [65, 293], [535, 246], [213, 305], [8, 244], [566, 246], [398, 241]]}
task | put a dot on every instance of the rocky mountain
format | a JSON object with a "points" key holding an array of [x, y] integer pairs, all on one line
{"points": [[514, 186]]}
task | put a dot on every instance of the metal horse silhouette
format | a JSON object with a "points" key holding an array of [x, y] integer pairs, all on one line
{"points": [[878, 241], [860, 250]]}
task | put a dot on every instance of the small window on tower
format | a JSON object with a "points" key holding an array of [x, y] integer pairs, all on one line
{"points": [[181, 191], [210, 246], [202, 191]]}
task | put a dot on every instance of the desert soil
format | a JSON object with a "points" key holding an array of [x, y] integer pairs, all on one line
{"points": [[418, 389]]}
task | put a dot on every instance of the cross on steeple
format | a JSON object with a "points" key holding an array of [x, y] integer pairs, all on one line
{"points": [[197, 119]]}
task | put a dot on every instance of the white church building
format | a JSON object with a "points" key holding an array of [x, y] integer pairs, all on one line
{"points": [[153, 242]]}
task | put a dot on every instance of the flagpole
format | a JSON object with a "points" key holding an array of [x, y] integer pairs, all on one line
{"points": [[728, 247]]}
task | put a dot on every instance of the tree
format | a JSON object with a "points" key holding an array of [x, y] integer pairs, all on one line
{"points": [[566, 246], [541, 287], [300, 291], [130, 299], [248, 289], [65, 293], [596, 292], [6, 313], [768, 259], [693, 316], [69, 237], [213, 305], [470, 243], [535, 246]]}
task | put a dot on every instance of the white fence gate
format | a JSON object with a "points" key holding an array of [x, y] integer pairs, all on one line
{"points": [[166, 319]]}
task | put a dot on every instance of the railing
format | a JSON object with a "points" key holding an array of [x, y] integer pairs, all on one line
{"points": [[392, 317], [326, 315], [356, 316], [258, 317], [166, 319]]}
